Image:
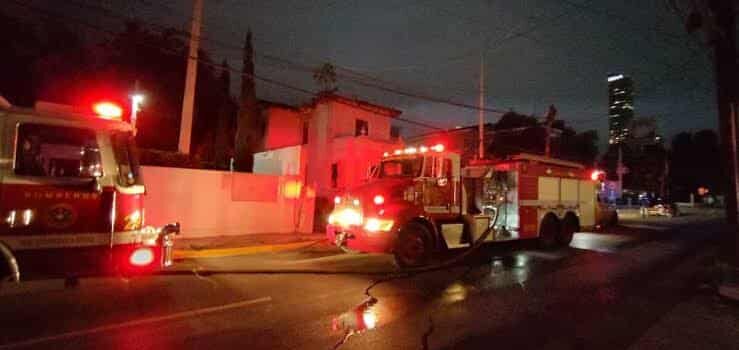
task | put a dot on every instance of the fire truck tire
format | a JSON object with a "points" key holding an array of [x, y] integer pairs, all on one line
{"points": [[570, 225], [613, 219], [414, 245], [548, 231]]}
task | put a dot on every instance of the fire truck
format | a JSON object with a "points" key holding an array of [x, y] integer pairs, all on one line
{"points": [[71, 195], [420, 200]]}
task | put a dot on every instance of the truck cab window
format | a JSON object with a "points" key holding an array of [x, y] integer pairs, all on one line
{"points": [[56, 151], [124, 149], [401, 167]]}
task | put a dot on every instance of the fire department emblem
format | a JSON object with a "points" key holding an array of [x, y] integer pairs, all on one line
{"points": [[61, 216]]}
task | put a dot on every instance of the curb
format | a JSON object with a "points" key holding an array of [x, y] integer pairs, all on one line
{"points": [[236, 251]]}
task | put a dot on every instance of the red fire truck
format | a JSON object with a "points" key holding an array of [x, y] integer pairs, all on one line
{"points": [[71, 195], [420, 200]]}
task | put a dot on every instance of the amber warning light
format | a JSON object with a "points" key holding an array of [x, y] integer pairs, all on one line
{"points": [[108, 110]]}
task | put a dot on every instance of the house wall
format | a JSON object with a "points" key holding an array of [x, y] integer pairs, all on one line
{"points": [[217, 203], [284, 128], [282, 161], [344, 118]]}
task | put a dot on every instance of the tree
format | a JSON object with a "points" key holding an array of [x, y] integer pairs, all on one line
{"points": [[82, 74], [325, 77], [695, 162], [517, 133], [247, 124], [226, 124]]}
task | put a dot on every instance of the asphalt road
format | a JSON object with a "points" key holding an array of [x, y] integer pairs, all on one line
{"points": [[604, 291]]}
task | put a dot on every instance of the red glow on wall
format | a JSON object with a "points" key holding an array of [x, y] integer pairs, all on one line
{"points": [[292, 189]]}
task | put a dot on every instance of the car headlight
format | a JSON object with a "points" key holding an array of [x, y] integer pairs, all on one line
{"points": [[376, 224]]}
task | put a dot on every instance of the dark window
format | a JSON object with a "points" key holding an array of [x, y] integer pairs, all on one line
{"points": [[305, 133], [394, 132], [401, 167], [361, 128], [126, 156], [447, 169], [334, 175], [57, 151]]}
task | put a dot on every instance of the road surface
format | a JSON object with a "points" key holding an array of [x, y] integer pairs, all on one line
{"points": [[602, 292]]}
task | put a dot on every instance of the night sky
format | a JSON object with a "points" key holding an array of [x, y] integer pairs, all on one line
{"points": [[536, 53]]}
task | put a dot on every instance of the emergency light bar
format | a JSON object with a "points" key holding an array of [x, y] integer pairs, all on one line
{"points": [[413, 150], [108, 110]]}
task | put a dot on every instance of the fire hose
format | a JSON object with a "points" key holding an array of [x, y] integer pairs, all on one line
{"points": [[14, 274]]}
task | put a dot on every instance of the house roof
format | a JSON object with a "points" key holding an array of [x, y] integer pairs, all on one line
{"points": [[273, 104], [372, 107]]}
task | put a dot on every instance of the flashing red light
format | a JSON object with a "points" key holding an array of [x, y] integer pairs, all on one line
{"points": [[597, 175], [141, 257], [108, 110], [379, 199], [337, 200], [438, 148]]}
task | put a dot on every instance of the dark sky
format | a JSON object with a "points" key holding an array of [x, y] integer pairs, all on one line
{"points": [[537, 52]]}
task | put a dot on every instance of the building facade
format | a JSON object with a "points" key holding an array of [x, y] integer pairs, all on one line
{"points": [[332, 141], [620, 107]]}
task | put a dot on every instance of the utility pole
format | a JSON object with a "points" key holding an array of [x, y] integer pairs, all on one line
{"points": [[725, 65], [188, 101], [481, 112], [551, 115]]}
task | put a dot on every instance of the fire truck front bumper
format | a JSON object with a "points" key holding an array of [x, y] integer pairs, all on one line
{"points": [[145, 250], [355, 238]]}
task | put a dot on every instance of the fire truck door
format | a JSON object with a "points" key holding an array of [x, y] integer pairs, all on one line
{"points": [[438, 185]]}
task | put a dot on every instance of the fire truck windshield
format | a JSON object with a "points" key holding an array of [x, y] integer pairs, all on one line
{"points": [[410, 167], [126, 156], [57, 151]]}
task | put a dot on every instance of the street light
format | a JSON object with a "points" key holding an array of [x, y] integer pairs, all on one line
{"points": [[136, 101]]}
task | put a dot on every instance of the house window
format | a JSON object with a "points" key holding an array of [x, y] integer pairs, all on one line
{"points": [[305, 133], [394, 132], [334, 175], [361, 128]]}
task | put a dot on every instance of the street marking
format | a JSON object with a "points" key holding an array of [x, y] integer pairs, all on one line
{"points": [[226, 252], [144, 321]]}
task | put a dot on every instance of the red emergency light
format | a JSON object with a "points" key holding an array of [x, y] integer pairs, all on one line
{"points": [[597, 175], [108, 110]]}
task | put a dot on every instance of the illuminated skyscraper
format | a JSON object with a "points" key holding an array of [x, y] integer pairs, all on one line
{"points": [[620, 107]]}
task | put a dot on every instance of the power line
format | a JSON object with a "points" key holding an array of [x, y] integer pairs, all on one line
{"points": [[58, 16]]}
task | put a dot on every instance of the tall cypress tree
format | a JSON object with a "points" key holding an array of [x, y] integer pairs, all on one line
{"points": [[226, 120], [247, 134]]}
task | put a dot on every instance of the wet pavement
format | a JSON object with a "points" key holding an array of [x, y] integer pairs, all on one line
{"points": [[606, 290]]}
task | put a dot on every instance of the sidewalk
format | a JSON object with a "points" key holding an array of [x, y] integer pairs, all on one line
{"points": [[701, 322], [222, 246]]}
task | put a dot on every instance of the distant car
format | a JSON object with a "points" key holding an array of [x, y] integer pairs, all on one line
{"points": [[660, 209]]}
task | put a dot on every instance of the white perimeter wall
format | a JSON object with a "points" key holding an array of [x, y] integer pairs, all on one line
{"points": [[220, 203]]}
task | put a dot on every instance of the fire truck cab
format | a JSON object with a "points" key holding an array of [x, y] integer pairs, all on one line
{"points": [[421, 200], [71, 196]]}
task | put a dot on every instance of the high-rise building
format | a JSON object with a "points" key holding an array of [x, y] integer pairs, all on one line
{"points": [[620, 107]]}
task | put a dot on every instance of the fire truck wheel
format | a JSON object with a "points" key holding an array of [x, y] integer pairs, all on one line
{"points": [[570, 225], [613, 219], [548, 231], [413, 247]]}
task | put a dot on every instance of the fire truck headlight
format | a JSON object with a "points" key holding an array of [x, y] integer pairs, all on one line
{"points": [[27, 217], [141, 257], [375, 224], [10, 219], [332, 219]]}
